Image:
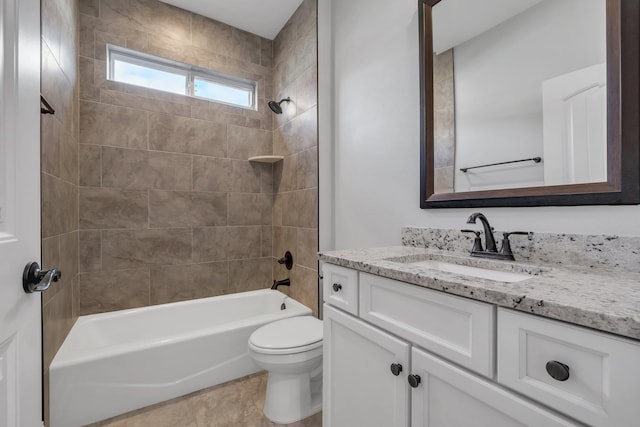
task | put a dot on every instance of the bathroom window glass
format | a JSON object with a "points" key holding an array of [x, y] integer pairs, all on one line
{"points": [[140, 69]]}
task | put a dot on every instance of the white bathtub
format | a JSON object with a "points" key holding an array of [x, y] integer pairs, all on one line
{"points": [[116, 362]]}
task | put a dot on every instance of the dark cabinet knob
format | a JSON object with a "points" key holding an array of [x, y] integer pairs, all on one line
{"points": [[396, 368], [557, 371], [337, 287], [414, 380]]}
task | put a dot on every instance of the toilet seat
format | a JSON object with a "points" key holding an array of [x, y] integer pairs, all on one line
{"points": [[288, 336]]}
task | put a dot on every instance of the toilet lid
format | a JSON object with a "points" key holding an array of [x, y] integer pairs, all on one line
{"points": [[288, 333]]}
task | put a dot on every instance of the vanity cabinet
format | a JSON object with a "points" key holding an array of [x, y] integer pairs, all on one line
{"points": [[415, 357]]}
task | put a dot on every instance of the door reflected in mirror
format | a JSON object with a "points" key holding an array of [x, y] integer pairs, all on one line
{"points": [[519, 94]]}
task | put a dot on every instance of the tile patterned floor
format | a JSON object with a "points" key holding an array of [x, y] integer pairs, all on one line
{"points": [[234, 404]]}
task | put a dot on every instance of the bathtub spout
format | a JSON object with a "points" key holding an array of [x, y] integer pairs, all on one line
{"points": [[283, 282]]}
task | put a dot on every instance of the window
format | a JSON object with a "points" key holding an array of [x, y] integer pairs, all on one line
{"points": [[141, 69]]}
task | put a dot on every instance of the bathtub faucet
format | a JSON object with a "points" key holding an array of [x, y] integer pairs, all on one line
{"points": [[283, 282]]}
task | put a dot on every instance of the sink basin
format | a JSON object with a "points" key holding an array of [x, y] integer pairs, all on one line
{"points": [[490, 270]]}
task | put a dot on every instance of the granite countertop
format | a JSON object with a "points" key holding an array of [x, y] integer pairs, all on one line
{"points": [[600, 298]]}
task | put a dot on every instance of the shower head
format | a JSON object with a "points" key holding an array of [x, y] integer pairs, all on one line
{"points": [[275, 106]]}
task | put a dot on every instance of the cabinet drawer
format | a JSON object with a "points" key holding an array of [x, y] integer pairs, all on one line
{"points": [[340, 287], [456, 328], [603, 383]]}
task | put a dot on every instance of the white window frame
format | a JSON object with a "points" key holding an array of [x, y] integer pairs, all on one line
{"points": [[191, 73]]}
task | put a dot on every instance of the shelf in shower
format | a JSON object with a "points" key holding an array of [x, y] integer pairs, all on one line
{"points": [[266, 159]]}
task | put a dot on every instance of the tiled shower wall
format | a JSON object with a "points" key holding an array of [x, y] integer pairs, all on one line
{"points": [[170, 208], [59, 173], [295, 213]]}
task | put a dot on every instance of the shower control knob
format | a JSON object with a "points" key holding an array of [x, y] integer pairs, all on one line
{"points": [[396, 368], [337, 287], [557, 371], [414, 380]]}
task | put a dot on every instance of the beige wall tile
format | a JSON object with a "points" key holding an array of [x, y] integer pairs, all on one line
{"points": [[243, 242], [222, 243], [307, 168], [304, 287], [285, 239], [68, 157], [308, 205], [250, 274], [137, 169], [103, 208], [209, 244], [179, 283], [148, 15], [185, 135], [224, 39], [90, 249], [183, 209], [89, 165], [250, 209], [100, 42], [299, 134], [69, 255], [246, 142], [113, 290], [102, 124], [143, 103], [51, 259], [308, 247], [57, 318], [266, 52], [286, 174], [89, 7], [137, 248], [266, 244], [290, 205], [50, 130], [88, 89], [59, 206], [307, 89], [210, 174], [214, 174], [184, 52]]}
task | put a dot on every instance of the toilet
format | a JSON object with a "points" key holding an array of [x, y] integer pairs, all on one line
{"points": [[291, 351]]}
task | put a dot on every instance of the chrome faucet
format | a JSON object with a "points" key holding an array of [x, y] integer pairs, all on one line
{"points": [[490, 242]]}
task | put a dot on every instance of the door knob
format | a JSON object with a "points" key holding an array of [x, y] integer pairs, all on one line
{"points": [[414, 380], [337, 287], [558, 371], [396, 368], [36, 280]]}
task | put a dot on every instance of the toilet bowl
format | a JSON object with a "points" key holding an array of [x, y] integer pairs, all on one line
{"points": [[291, 351]]}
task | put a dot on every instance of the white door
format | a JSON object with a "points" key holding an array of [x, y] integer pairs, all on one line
{"points": [[20, 332], [359, 387], [574, 108], [448, 396]]}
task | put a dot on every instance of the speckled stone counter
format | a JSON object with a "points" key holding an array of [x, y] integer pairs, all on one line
{"points": [[598, 295]]}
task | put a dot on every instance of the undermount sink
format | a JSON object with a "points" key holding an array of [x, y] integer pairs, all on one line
{"points": [[430, 262]]}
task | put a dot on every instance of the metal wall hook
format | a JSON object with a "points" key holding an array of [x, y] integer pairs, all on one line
{"points": [[47, 109]]}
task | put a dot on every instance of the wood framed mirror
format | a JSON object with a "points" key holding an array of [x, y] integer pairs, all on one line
{"points": [[508, 174]]}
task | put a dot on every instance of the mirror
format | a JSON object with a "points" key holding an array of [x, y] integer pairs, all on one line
{"points": [[521, 102]]}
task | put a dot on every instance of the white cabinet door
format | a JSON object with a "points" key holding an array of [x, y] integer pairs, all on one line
{"points": [[20, 333], [359, 388], [447, 396]]}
